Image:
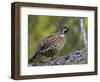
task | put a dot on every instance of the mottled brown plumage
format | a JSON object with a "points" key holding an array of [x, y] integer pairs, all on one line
{"points": [[51, 44]]}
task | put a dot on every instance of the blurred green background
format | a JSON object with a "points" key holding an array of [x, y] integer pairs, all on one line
{"points": [[39, 27]]}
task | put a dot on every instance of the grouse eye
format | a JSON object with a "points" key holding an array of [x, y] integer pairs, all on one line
{"points": [[64, 27]]}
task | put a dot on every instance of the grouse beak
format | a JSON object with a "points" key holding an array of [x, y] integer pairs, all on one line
{"points": [[65, 31]]}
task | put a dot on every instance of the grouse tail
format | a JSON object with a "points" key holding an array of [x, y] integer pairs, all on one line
{"points": [[33, 57]]}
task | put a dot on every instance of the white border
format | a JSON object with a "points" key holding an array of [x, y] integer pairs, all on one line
{"points": [[25, 70]]}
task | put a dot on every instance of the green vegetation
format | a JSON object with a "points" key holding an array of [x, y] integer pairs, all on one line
{"points": [[40, 27]]}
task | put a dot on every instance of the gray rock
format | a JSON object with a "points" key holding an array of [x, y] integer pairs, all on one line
{"points": [[78, 57]]}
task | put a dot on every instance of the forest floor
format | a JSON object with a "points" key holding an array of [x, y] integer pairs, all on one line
{"points": [[77, 57]]}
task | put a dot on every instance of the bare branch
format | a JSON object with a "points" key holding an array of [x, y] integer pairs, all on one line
{"points": [[83, 31]]}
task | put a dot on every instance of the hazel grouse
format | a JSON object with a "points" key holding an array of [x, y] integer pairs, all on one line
{"points": [[51, 44]]}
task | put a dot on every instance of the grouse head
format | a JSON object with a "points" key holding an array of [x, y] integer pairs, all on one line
{"points": [[62, 30]]}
